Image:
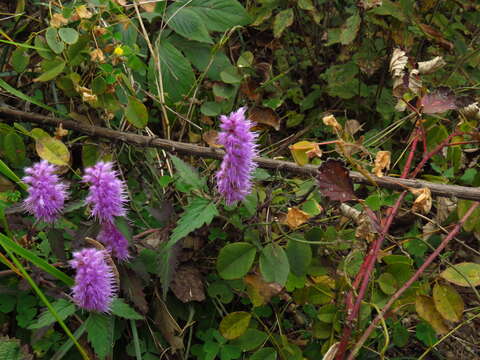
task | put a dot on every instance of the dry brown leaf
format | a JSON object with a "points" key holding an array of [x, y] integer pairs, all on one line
{"points": [[415, 82], [99, 31], [148, 7], [210, 137], [97, 56], [87, 94], [60, 132], [423, 202], [296, 217], [352, 127], [187, 284], [382, 161], [331, 121], [332, 351], [430, 66], [259, 291], [265, 116], [398, 62], [251, 90], [471, 111], [168, 326], [83, 12], [365, 229], [58, 20], [436, 35]]}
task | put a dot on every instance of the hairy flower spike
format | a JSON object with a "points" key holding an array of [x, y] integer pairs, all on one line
{"points": [[114, 241], [46, 194], [107, 192], [234, 177], [94, 287]]}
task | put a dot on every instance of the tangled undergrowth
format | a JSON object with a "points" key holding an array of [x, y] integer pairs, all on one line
{"points": [[353, 234]]}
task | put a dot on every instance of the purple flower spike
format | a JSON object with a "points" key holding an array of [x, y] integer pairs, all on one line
{"points": [[114, 241], [46, 194], [234, 177], [94, 287], [107, 192]]}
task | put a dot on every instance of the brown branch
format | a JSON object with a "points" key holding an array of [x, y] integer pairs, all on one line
{"points": [[190, 149]]}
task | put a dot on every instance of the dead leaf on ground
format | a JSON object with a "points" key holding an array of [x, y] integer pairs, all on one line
{"points": [[265, 116], [436, 35], [334, 181], [168, 326], [210, 137], [187, 284], [382, 162], [398, 62], [259, 291], [60, 132], [296, 217], [423, 202]]}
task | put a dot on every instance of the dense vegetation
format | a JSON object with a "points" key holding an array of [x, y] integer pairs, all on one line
{"points": [[121, 238]]}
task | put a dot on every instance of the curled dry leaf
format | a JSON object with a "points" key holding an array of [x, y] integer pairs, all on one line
{"points": [[331, 121], [97, 56], [210, 137], [471, 111], [264, 116], [334, 181], [187, 284], [87, 94], [60, 132], [148, 6], [423, 202], [415, 82], [398, 62], [430, 66], [303, 150], [58, 20], [83, 12], [296, 217], [352, 127], [382, 161]]}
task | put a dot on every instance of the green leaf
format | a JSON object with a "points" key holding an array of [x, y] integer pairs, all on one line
{"points": [[99, 85], [400, 335], [14, 148], [274, 264], [235, 260], [473, 220], [52, 150], [426, 334], [177, 73], [327, 313], [187, 23], [266, 353], [350, 29], [68, 35], [234, 324], [464, 274], [63, 308], [20, 59], [448, 302], [211, 108], [282, 20], [299, 256], [53, 72], [10, 349], [251, 339], [388, 284], [100, 333], [121, 308], [187, 173], [231, 76], [136, 113], [52, 40]]}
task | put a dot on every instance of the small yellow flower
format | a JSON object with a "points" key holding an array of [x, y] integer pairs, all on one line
{"points": [[118, 51]]}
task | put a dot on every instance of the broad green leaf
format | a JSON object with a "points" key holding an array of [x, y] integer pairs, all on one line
{"points": [[234, 324], [274, 265], [99, 85], [306, 5], [448, 302], [235, 260], [188, 23], [52, 150], [251, 339], [177, 73], [121, 308], [388, 284], [20, 59], [100, 333], [14, 148], [42, 47], [299, 256], [231, 76], [211, 108], [426, 310], [426, 334], [400, 335], [282, 21], [473, 220], [342, 80], [350, 29], [53, 72], [187, 173], [63, 308], [464, 274], [266, 353], [136, 113], [327, 313], [68, 35], [53, 41]]}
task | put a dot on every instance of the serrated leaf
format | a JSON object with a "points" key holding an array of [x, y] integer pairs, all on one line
{"points": [[350, 29], [464, 274], [121, 308], [187, 173], [100, 333], [235, 260], [10, 349], [334, 181], [52, 150], [274, 265], [282, 20], [68, 35], [234, 324], [448, 302], [136, 113], [63, 308]]}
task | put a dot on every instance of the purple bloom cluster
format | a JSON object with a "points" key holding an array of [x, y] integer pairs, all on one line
{"points": [[46, 194], [95, 286], [114, 241], [234, 177]]}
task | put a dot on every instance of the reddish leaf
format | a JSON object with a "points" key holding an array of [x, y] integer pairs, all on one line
{"points": [[334, 181], [438, 101]]}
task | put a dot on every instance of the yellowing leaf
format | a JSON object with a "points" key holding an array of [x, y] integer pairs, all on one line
{"points": [[260, 291], [382, 161], [234, 324], [265, 116], [52, 150], [448, 302], [303, 150], [463, 274], [296, 217], [83, 12], [282, 20], [58, 20], [426, 310]]}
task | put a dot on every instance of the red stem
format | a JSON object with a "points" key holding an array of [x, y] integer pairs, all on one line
{"points": [[417, 274]]}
